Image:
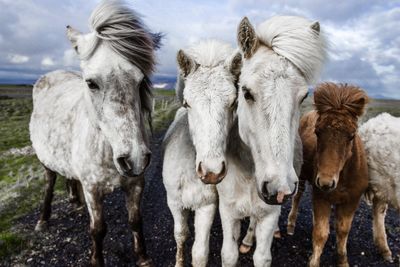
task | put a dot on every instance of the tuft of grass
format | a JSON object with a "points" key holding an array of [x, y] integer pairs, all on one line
{"points": [[10, 243], [14, 123]]}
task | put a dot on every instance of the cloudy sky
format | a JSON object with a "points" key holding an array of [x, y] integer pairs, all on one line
{"points": [[364, 35]]}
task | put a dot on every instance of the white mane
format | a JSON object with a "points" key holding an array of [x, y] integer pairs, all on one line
{"points": [[208, 53], [293, 38]]}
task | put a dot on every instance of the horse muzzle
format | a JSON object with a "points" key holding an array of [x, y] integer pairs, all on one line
{"points": [[126, 167], [277, 198]]}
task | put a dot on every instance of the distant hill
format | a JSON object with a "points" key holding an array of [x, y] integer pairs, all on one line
{"points": [[164, 82]]}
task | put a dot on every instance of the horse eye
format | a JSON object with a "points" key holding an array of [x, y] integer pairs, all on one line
{"points": [[92, 85], [185, 104], [304, 98], [351, 137], [247, 95]]}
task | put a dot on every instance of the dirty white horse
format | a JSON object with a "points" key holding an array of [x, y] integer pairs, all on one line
{"points": [[381, 138], [281, 59], [196, 141], [91, 126]]}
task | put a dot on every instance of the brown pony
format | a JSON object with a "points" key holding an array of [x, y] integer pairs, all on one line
{"points": [[334, 163]]}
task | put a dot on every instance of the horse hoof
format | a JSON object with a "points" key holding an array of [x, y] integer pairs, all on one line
{"points": [[290, 230], [145, 263], [277, 234], [41, 226], [388, 257], [244, 249]]}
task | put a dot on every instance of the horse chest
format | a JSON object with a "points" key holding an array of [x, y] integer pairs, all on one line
{"points": [[239, 194], [194, 194]]}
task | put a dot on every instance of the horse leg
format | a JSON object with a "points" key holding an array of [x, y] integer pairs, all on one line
{"points": [[203, 221], [264, 233], [181, 230], [231, 232], [295, 208], [75, 193], [248, 240], [380, 240], [133, 195], [344, 217], [98, 229], [321, 213], [48, 197]]}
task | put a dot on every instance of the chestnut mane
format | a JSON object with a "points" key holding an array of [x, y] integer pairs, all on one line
{"points": [[340, 98]]}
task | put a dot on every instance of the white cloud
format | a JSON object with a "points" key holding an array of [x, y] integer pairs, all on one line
{"points": [[47, 62], [17, 59]]}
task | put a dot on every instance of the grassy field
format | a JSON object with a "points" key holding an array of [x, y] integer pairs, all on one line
{"points": [[21, 179]]}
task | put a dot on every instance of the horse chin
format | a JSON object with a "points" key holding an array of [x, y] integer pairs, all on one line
{"points": [[211, 182], [129, 174], [274, 199]]}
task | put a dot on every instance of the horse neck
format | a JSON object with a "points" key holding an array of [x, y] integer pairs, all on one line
{"points": [[238, 151]]}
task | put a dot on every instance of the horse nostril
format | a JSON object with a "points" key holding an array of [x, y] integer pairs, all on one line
{"points": [[222, 173], [333, 185], [317, 182], [200, 170], [124, 164], [147, 160]]}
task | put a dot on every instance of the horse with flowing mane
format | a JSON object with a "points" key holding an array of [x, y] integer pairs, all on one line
{"points": [[281, 59], [90, 126], [334, 163]]}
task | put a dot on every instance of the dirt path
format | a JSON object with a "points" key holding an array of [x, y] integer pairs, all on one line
{"points": [[67, 242]]}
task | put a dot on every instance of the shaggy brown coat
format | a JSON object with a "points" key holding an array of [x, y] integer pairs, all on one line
{"points": [[334, 163]]}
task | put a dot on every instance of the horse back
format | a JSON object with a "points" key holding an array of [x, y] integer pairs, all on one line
{"points": [[56, 118]]}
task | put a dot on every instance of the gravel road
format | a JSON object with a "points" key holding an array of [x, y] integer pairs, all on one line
{"points": [[67, 242]]}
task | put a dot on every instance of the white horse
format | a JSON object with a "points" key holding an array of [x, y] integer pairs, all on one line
{"points": [[196, 141], [91, 126], [281, 59], [381, 138]]}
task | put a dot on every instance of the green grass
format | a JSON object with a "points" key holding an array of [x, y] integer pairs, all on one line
{"points": [[11, 243], [14, 123], [163, 92]]}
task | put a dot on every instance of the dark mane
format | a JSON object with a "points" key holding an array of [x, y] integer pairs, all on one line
{"points": [[340, 98]]}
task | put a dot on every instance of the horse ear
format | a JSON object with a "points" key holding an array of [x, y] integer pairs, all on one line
{"points": [[247, 38], [316, 27], [186, 63], [234, 64], [73, 36]]}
